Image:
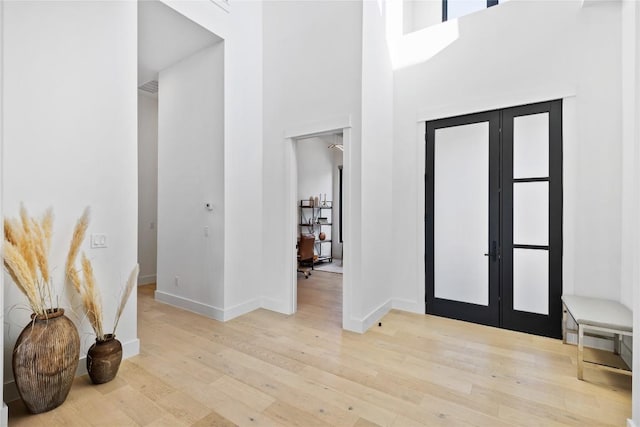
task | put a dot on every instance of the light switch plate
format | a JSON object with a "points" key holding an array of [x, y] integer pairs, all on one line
{"points": [[98, 240]]}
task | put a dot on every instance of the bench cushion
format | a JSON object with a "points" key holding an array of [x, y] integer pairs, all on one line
{"points": [[599, 312]]}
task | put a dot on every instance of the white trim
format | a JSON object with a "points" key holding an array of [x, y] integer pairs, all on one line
{"points": [[129, 349], [481, 104], [333, 125], [242, 308], [207, 310], [292, 221], [4, 416], [190, 305], [278, 306], [420, 226], [591, 342], [588, 3], [222, 4], [408, 305], [375, 316], [630, 423], [320, 127], [362, 325], [147, 280]]}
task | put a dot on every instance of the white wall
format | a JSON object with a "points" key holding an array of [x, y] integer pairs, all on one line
{"points": [[378, 228], [315, 165], [147, 186], [312, 73], [515, 63], [241, 28], [70, 141], [419, 14], [190, 174]]}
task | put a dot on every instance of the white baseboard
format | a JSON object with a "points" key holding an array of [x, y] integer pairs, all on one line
{"points": [[129, 349], [243, 308], [408, 305], [591, 342], [147, 280], [4, 416], [278, 306], [630, 423], [362, 325], [190, 305]]}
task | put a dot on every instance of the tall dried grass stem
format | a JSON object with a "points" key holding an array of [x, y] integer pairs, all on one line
{"points": [[78, 236], [19, 271], [91, 298], [131, 283]]}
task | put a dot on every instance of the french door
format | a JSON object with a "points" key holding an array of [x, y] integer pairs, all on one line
{"points": [[494, 218]]}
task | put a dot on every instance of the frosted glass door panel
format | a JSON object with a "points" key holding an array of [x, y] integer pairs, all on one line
{"points": [[531, 280], [461, 213], [531, 146], [531, 213]]}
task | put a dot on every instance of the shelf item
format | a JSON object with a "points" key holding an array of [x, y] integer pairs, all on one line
{"points": [[311, 220]]}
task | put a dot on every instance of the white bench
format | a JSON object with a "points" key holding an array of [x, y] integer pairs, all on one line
{"points": [[595, 317]]}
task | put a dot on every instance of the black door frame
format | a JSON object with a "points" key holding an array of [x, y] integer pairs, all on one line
{"points": [[486, 315], [500, 310], [547, 325]]}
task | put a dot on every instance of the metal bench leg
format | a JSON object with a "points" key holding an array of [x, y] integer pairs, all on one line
{"points": [[580, 352], [564, 324], [617, 343]]}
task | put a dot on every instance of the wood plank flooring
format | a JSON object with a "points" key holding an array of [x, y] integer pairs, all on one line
{"points": [[266, 369]]}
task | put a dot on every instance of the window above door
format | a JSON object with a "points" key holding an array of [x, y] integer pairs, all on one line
{"points": [[420, 14]]}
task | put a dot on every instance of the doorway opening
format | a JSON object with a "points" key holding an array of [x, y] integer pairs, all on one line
{"points": [[319, 162], [180, 159], [494, 218], [333, 137]]}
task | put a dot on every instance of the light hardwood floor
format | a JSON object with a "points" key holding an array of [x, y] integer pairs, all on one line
{"points": [[265, 368]]}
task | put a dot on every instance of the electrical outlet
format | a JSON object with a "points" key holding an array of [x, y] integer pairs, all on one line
{"points": [[177, 281], [98, 240], [206, 231]]}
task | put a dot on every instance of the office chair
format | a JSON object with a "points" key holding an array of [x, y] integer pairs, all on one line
{"points": [[305, 253]]}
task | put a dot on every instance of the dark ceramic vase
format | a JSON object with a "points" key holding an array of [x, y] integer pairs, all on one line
{"points": [[103, 359], [45, 359]]}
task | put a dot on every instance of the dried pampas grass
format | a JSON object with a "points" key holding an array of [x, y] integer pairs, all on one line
{"points": [[76, 240], [91, 298], [26, 257], [87, 287], [131, 283]]}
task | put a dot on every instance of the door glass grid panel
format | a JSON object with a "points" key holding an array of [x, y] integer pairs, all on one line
{"points": [[461, 213], [531, 146], [531, 280], [531, 213]]}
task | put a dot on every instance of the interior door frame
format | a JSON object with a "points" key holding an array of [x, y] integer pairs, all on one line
{"points": [[486, 315]]}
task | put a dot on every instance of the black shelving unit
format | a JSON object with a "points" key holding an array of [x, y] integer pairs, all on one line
{"points": [[312, 219]]}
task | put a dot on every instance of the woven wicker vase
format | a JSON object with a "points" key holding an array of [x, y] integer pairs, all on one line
{"points": [[45, 359], [103, 359]]}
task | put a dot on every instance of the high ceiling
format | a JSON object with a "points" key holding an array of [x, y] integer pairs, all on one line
{"points": [[165, 37]]}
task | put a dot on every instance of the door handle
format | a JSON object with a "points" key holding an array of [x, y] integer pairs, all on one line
{"points": [[493, 253]]}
